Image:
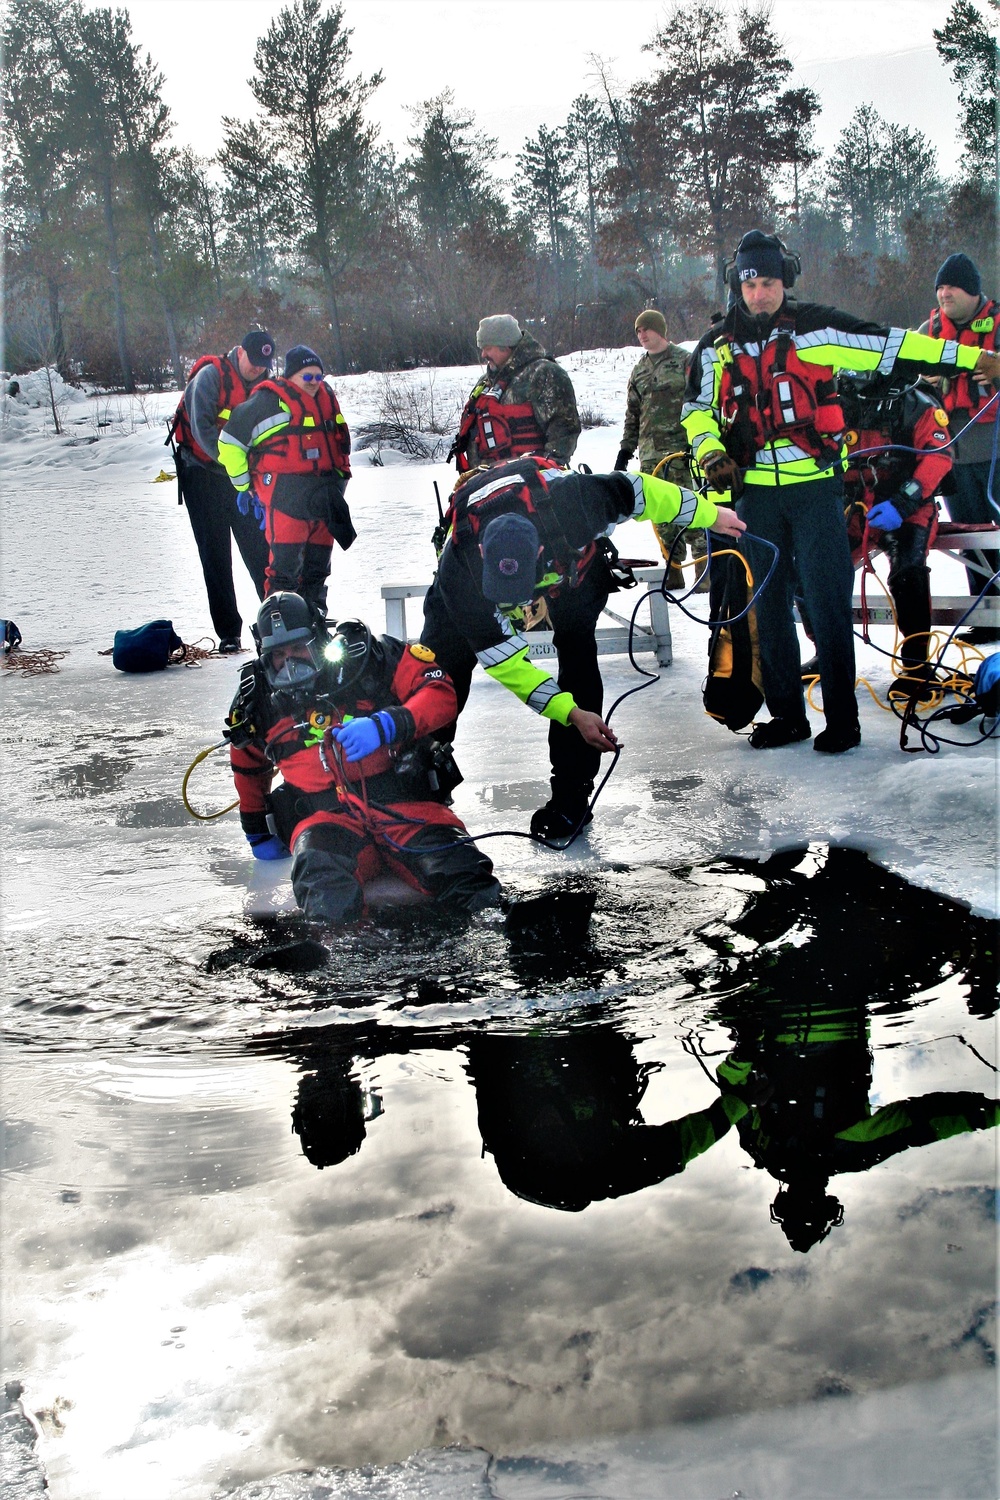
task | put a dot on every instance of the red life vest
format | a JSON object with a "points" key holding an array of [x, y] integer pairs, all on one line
{"points": [[502, 431], [963, 393], [313, 441], [519, 487], [775, 394], [233, 391]]}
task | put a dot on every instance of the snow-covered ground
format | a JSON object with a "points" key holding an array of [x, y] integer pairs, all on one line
{"points": [[92, 543]]}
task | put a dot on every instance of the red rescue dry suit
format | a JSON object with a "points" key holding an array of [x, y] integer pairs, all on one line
{"points": [[342, 819], [908, 419], [294, 447]]}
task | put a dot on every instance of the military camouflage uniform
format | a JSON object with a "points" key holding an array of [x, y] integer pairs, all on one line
{"points": [[532, 377], [653, 425]]}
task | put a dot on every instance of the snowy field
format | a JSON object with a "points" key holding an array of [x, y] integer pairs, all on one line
{"points": [[194, 1311]]}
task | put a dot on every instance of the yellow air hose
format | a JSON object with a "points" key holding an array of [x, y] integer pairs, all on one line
{"points": [[202, 755]]}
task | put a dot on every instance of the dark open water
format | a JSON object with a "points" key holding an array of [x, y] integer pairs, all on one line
{"points": [[665, 1149]]}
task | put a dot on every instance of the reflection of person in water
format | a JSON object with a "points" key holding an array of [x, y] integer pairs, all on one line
{"points": [[799, 1076], [561, 1112], [560, 1115], [332, 1108]]}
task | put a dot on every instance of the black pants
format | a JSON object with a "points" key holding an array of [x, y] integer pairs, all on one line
{"points": [[806, 523], [215, 519], [910, 587], [968, 503], [574, 614], [330, 862]]}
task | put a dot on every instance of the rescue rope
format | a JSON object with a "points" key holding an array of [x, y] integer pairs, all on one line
{"points": [[204, 817], [33, 663]]}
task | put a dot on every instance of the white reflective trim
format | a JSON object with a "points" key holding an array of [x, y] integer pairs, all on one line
{"points": [[508, 482], [892, 347], [949, 355], [689, 504], [640, 499], [841, 339], [268, 426], [227, 437], [543, 694], [495, 656], [788, 454]]}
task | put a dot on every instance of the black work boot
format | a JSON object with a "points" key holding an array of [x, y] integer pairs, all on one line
{"points": [[566, 811], [833, 741], [776, 732]]}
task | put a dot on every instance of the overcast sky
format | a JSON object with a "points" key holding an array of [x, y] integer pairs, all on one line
{"points": [[520, 64]]}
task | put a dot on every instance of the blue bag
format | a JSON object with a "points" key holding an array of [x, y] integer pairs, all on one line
{"points": [[147, 648], [987, 686]]}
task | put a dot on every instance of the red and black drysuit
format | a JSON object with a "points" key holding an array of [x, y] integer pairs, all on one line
{"points": [[344, 820], [913, 419], [294, 448], [972, 421], [214, 390]]}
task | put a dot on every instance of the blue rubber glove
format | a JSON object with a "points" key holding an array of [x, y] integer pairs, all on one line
{"points": [[243, 498], [260, 514], [267, 846], [362, 737], [885, 516]]}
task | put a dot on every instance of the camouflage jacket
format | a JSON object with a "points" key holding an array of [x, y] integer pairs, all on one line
{"points": [[530, 377], [653, 411]]}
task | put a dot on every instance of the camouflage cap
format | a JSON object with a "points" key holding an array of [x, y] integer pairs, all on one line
{"points": [[653, 319]]}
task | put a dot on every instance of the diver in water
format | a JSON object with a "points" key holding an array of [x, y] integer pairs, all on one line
{"points": [[350, 721]]}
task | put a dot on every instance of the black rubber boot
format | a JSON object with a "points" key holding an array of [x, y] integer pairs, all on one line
{"points": [[777, 732]]}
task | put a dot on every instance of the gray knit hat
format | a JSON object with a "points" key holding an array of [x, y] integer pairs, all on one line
{"points": [[501, 331]]}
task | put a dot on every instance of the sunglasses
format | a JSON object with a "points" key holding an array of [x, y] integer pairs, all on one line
{"points": [[310, 378]]}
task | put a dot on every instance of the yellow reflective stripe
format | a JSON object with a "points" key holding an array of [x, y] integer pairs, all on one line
{"points": [[559, 708], [308, 421], [734, 1073], [268, 427], [233, 458], [225, 413], [666, 501], [341, 418]]}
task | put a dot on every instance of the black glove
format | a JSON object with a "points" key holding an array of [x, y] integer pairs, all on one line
{"points": [[621, 462], [338, 515]]}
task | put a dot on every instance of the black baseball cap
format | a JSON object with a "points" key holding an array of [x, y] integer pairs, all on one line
{"points": [[509, 546], [259, 347]]}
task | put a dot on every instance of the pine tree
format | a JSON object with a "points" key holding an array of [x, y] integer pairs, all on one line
{"points": [[966, 43], [589, 138], [323, 144], [712, 110], [132, 90], [40, 189]]}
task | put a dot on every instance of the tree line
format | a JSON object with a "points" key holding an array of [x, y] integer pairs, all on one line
{"points": [[127, 253]]}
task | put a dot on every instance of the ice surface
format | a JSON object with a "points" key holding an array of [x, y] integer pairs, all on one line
{"points": [[166, 1192], [91, 543]]}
